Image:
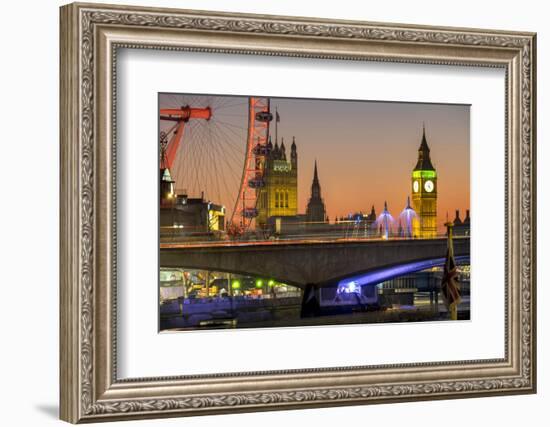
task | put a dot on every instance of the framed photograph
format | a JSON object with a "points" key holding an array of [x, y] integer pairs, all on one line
{"points": [[254, 232], [266, 212]]}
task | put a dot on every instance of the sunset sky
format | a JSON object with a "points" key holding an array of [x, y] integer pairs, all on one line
{"points": [[365, 151]]}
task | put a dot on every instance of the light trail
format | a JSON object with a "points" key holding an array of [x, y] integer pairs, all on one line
{"points": [[179, 245]]}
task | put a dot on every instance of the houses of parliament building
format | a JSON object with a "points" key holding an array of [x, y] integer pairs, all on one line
{"points": [[424, 193], [278, 198], [279, 195]]}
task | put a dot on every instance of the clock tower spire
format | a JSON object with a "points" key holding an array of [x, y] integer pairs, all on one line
{"points": [[424, 192], [316, 211]]}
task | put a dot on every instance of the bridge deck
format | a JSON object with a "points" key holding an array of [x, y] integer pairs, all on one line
{"points": [[306, 262]]}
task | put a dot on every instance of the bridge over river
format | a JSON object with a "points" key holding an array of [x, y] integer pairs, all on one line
{"points": [[302, 263]]}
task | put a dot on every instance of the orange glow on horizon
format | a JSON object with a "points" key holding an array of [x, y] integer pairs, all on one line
{"points": [[365, 151]]}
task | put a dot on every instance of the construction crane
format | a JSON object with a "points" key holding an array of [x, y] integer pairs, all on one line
{"points": [[181, 116]]}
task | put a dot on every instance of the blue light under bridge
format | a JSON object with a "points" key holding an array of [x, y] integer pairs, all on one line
{"points": [[384, 274]]}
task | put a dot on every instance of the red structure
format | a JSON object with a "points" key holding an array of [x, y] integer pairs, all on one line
{"points": [[259, 117], [181, 116], [252, 177]]}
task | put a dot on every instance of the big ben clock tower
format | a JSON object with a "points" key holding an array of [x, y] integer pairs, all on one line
{"points": [[424, 193]]}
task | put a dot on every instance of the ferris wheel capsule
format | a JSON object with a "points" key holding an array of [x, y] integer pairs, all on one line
{"points": [[261, 150], [246, 209], [256, 183], [264, 116], [250, 213]]}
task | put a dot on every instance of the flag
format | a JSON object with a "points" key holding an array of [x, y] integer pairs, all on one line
{"points": [[450, 286], [277, 117]]}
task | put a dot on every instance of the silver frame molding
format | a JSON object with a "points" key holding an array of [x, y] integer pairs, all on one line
{"points": [[90, 37]]}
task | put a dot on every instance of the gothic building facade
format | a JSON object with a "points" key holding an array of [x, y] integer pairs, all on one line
{"points": [[316, 211], [424, 193], [279, 194], [461, 228]]}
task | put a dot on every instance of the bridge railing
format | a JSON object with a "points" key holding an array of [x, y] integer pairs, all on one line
{"points": [[224, 240]]}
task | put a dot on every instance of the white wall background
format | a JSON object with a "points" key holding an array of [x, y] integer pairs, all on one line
{"points": [[29, 171]]}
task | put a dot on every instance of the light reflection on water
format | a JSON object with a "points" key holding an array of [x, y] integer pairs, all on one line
{"points": [[261, 302]]}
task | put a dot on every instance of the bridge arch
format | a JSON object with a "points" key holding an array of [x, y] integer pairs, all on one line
{"points": [[369, 277], [382, 274], [237, 272], [303, 263]]}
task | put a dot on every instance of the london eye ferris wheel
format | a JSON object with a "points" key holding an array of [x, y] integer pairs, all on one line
{"points": [[215, 147]]}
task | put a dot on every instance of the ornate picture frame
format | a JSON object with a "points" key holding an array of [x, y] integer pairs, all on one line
{"points": [[90, 37]]}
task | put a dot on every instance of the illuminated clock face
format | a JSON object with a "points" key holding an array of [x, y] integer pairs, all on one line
{"points": [[429, 186], [416, 186]]}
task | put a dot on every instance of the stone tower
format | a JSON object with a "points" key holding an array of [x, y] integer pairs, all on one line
{"points": [[424, 193], [315, 211], [279, 195]]}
